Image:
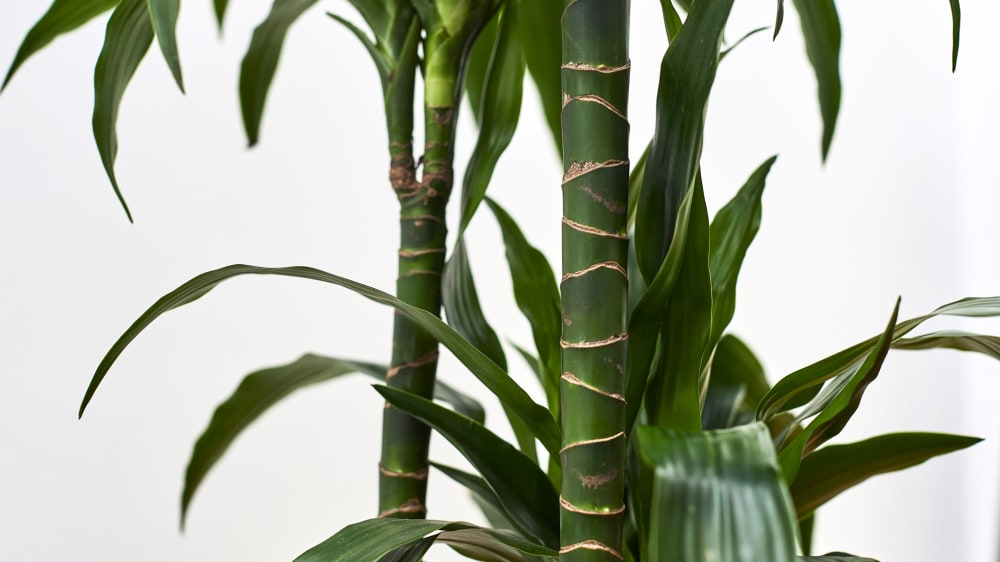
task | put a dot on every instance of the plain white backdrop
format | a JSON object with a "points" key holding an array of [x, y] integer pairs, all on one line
{"points": [[904, 206]]}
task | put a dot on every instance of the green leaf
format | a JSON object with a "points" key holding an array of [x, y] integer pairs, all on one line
{"points": [[807, 528], [509, 393], [956, 31], [834, 557], [370, 540], [491, 545], [821, 32], [485, 497], [686, 77], [634, 186], [725, 52], [126, 41], [478, 64], [717, 495], [735, 365], [219, 6], [261, 390], [462, 308], [261, 60], [732, 231], [413, 552], [835, 405], [722, 408], [62, 17], [539, 25], [673, 397], [671, 19], [382, 62], [801, 386], [163, 16], [779, 18], [523, 489], [500, 109], [537, 296], [829, 471], [962, 341]]}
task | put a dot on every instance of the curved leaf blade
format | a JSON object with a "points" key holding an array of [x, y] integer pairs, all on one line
{"points": [[163, 16], [956, 31], [821, 32], [735, 365], [219, 7], [126, 41], [495, 545], [717, 495], [368, 541], [62, 17], [509, 393], [523, 489], [539, 25], [834, 557], [833, 469], [261, 61]]}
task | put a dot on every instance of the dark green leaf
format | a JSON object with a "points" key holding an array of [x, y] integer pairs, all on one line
{"points": [[807, 528], [413, 552], [62, 16], [461, 305], [717, 495], [671, 19], [956, 31], [962, 341], [686, 77], [801, 386], [128, 37], [500, 109], [673, 397], [539, 27], [219, 6], [722, 407], [509, 393], [725, 52], [537, 295], [478, 64], [382, 62], [634, 186], [485, 497], [261, 390], [821, 32], [779, 18], [522, 488], [492, 545], [834, 557], [834, 406], [163, 15], [261, 60], [732, 231], [368, 541], [735, 365], [833, 469]]}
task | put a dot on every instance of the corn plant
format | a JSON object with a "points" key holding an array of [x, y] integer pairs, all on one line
{"points": [[664, 439]]}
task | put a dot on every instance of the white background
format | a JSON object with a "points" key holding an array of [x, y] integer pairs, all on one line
{"points": [[904, 205]]}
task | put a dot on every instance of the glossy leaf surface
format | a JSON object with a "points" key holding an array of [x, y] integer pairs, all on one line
{"points": [[163, 15], [716, 496], [62, 16], [835, 468], [509, 393], [261, 61], [523, 489], [126, 41]]}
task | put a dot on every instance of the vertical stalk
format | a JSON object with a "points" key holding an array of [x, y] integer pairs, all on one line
{"points": [[423, 232], [595, 70]]}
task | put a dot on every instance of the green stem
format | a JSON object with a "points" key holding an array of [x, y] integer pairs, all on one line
{"points": [[594, 283]]}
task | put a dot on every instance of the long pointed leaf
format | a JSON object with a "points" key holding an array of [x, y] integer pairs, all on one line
{"points": [[522, 488], [956, 31], [261, 60], [126, 41], [62, 16], [484, 496], [509, 393], [735, 365], [219, 7], [686, 77], [732, 231], [834, 557], [829, 471], [491, 545], [821, 32], [539, 27], [163, 15], [261, 390], [717, 495]]}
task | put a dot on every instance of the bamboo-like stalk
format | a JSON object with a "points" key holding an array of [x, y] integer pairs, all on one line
{"points": [[595, 73], [405, 440]]}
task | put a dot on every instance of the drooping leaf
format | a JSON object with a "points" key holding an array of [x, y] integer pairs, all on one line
{"points": [[492, 545], [834, 406], [413, 552], [539, 25], [126, 41], [779, 18], [523, 489], [732, 231], [478, 64], [834, 557], [383, 63], [537, 296], [261, 390], [500, 109], [509, 393], [672, 399], [821, 32], [261, 61], [735, 365], [956, 31], [827, 472], [729, 49], [370, 540], [672, 22], [219, 7], [461, 305], [722, 408], [801, 386], [485, 496], [686, 77], [62, 16], [717, 495], [163, 15], [962, 341]]}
